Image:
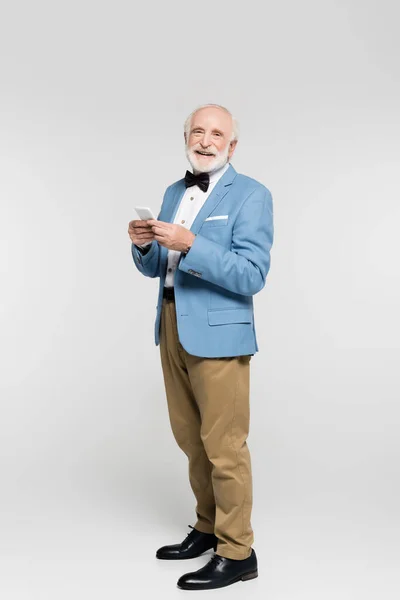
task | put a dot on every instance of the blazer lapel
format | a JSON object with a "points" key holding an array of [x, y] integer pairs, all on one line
{"points": [[219, 192]]}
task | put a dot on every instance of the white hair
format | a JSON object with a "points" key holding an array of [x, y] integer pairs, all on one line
{"points": [[235, 124]]}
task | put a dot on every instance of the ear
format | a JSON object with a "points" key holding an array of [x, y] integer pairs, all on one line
{"points": [[185, 136], [232, 146]]}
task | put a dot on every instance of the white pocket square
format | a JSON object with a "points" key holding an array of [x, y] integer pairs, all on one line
{"points": [[216, 217]]}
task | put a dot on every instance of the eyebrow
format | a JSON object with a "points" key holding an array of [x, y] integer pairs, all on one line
{"points": [[202, 128]]}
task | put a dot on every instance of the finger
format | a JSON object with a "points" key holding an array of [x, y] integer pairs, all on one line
{"points": [[160, 232], [140, 229], [160, 240], [145, 236], [153, 222]]}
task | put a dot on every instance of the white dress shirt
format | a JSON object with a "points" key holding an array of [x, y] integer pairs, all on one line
{"points": [[192, 201]]}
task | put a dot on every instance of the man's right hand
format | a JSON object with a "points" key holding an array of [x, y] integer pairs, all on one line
{"points": [[140, 232]]}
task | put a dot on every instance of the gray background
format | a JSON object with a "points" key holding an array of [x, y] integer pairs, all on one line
{"points": [[93, 99]]}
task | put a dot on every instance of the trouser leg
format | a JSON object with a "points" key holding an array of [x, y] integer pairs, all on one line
{"points": [[221, 390], [185, 417]]}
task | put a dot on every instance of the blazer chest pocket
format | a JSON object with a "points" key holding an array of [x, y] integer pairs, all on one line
{"points": [[224, 316], [215, 221]]}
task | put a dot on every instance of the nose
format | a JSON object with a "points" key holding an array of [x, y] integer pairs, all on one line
{"points": [[205, 141]]}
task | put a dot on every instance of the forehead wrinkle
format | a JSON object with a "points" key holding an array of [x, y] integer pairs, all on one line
{"points": [[220, 127]]}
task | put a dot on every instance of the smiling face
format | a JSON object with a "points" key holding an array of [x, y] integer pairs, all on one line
{"points": [[209, 143]]}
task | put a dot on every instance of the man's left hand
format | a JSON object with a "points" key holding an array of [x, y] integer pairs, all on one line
{"points": [[170, 235]]}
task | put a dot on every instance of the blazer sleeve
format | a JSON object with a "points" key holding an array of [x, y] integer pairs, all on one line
{"points": [[244, 268], [147, 263], [147, 260]]}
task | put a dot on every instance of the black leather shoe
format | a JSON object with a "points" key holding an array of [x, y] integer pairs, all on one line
{"points": [[193, 545], [219, 572]]}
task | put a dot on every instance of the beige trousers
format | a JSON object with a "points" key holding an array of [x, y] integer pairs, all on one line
{"points": [[208, 406]]}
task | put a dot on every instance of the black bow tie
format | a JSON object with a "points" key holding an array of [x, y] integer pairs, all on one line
{"points": [[202, 180]]}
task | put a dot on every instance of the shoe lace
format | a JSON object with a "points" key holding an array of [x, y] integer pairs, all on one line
{"points": [[216, 559], [188, 535]]}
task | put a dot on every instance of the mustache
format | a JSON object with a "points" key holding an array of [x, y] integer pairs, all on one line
{"points": [[211, 150]]}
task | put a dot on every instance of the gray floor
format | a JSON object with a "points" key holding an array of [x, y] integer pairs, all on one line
{"points": [[61, 542]]}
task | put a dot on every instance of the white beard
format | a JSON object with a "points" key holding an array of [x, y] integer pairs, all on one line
{"points": [[221, 158]]}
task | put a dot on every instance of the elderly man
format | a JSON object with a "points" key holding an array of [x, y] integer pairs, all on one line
{"points": [[210, 247]]}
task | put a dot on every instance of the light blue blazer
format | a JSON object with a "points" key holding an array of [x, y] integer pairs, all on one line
{"points": [[226, 265]]}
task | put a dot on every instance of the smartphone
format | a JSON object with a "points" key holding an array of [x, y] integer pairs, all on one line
{"points": [[144, 213]]}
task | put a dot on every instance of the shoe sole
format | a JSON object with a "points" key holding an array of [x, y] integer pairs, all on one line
{"points": [[251, 575], [185, 557], [244, 577]]}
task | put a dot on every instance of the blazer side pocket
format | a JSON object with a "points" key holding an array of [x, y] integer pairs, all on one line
{"points": [[224, 316]]}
